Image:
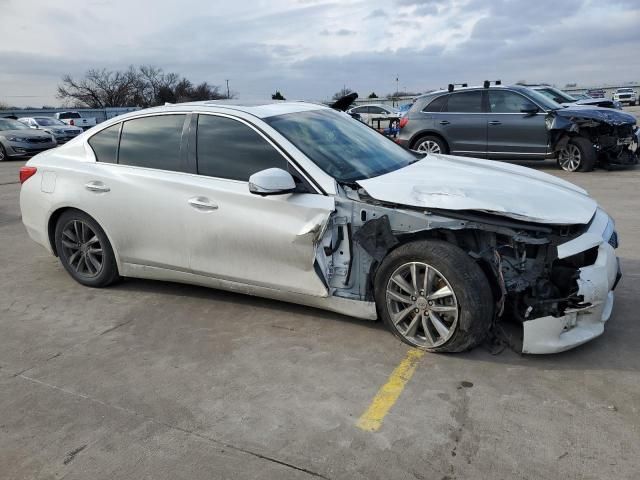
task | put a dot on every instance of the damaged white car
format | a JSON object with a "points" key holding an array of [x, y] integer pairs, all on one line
{"points": [[298, 202]]}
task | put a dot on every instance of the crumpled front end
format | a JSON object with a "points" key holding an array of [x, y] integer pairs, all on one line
{"points": [[596, 281]]}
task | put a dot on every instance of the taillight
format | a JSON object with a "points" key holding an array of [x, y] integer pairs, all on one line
{"points": [[404, 121], [26, 173], [71, 122]]}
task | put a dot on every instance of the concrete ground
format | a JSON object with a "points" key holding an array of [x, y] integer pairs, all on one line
{"points": [[164, 381]]}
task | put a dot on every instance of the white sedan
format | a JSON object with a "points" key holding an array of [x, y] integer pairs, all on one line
{"points": [[297, 202]]}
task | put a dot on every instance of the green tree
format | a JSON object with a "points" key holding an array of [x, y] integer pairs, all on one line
{"points": [[277, 96], [373, 95]]}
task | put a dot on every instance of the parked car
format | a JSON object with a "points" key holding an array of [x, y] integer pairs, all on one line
{"points": [[580, 96], [299, 202], [567, 100], [19, 141], [60, 130], [596, 93], [625, 95], [76, 120], [369, 113], [515, 122]]}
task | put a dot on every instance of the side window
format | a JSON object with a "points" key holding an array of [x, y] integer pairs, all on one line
{"points": [[465, 102], [230, 149], [376, 110], [152, 142], [507, 102], [360, 110], [437, 105], [105, 144]]}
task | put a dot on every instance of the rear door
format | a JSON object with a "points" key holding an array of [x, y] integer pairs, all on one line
{"points": [[463, 123], [512, 133], [139, 187]]}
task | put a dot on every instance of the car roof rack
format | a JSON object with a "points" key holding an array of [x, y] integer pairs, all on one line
{"points": [[453, 85], [487, 83]]}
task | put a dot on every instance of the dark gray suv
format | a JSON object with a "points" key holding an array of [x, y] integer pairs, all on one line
{"points": [[515, 122]]}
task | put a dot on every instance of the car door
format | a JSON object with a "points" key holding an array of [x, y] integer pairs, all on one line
{"points": [[139, 187], [463, 123], [234, 235], [513, 133]]}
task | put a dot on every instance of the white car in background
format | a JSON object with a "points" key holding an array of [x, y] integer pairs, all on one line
{"points": [[369, 113], [625, 95], [60, 130], [298, 202]]}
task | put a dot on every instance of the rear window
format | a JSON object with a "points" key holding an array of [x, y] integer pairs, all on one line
{"points": [[436, 105], [465, 102], [67, 115], [152, 142]]}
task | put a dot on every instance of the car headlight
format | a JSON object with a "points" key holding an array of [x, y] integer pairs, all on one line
{"points": [[17, 139]]}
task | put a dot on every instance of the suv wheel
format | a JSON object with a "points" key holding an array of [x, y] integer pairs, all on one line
{"points": [[430, 144], [433, 296], [577, 155], [84, 250]]}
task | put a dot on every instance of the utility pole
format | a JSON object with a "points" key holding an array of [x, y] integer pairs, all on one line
{"points": [[397, 80], [227, 88]]}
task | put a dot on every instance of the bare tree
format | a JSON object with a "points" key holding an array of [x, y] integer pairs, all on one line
{"points": [[4, 106], [143, 86], [343, 92]]}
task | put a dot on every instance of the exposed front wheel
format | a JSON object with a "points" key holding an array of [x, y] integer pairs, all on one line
{"points": [[84, 250], [430, 144], [433, 296], [578, 154]]}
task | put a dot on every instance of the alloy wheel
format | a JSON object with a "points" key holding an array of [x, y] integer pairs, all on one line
{"points": [[82, 249], [429, 146], [422, 305], [2, 154], [570, 158]]}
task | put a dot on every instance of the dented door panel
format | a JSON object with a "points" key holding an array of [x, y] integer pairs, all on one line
{"points": [[266, 241]]}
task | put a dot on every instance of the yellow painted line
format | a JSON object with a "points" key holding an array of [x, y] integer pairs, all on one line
{"points": [[371, 420]]}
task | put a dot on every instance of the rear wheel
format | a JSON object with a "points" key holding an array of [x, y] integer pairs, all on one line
{"points": [[84, 250], [430, 144], [433, 296], [3, 153], [577, 155]]}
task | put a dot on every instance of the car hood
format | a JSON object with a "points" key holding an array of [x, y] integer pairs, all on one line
{"points": [[592, 102], [28, 132], [604, 115], [461, 183]]}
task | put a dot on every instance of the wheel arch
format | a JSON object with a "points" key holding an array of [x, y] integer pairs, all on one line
{"points": [[51, 230]]}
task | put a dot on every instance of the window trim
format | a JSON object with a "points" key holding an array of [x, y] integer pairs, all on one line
{"points": [[307, 179]]}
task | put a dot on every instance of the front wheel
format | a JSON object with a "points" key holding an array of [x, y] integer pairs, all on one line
{"points": [[84, 250], [433, 296], [578, 154], [3, 154]]}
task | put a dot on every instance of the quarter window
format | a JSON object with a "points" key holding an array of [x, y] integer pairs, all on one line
{"points": [[230, 149], [436, 105], [105, 144], [507, 102], [153, 142], [465, 102]]}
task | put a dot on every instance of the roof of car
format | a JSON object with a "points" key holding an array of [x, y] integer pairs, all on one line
{"points": [[258, 109], [472, 87]]}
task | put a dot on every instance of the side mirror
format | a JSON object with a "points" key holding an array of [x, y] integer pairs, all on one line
{"points": [[529, 109], [272, 181]]}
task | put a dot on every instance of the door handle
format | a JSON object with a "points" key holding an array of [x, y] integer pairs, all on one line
{"points": [[495, 122], [97, 187], [444, 122], [202, 203]]}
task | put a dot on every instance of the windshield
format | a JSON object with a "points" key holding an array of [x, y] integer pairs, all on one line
{"points": [[542, 100], [48, 122], [9, 124], [344, 148], [556, 95], [625, 90]]}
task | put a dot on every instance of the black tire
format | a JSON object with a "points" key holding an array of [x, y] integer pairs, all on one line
{"points": [[77, 248], [3, 154], [425, 141], [632, 104], [471, 293], [587, 153]]}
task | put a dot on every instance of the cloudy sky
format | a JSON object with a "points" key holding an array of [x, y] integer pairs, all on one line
{"points": [[309, 49]]}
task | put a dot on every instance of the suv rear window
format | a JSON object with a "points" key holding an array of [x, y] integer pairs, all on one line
{"points": [[67, 115]]}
